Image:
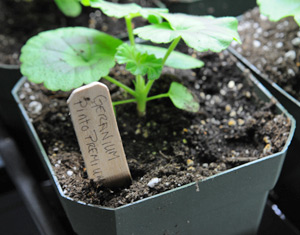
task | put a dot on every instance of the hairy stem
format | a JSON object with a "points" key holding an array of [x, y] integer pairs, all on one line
{"points": [[171, 48], [141, 95], [130, 30], [119, 84]]}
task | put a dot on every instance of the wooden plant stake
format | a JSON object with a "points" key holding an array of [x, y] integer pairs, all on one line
{"points": [[98, 135]]}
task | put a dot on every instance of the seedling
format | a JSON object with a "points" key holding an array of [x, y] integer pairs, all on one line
{"points": [[278, 9], [66, 58]]}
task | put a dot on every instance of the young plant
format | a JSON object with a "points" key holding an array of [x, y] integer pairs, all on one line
{"points": [[66, 58], [278, 9]]}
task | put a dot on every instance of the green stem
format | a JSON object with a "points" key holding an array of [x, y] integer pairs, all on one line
{"points": [[119, 84], [123, 102], [165, 95], [148, 86], [130, 30], [140, 84], [171, 48], [141, 95]]}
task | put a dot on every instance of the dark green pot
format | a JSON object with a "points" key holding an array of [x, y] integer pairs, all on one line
{"points": [[211, 7], [231, 202], [287, 191], [9, 75]]}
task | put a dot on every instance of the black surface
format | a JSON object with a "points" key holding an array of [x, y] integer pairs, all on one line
{"points": [[14, 216]]}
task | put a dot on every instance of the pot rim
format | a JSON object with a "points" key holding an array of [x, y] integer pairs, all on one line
{"points": [[9, 66]]}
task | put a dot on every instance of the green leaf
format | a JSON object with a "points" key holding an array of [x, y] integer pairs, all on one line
{"points": [[278, 9], [70, 8], [176, 59], [66, 58], [199, 32], [114, 9], [152, 14], [182, 98], [157, 33], [139, 63], [86, 3], [122, 10]]}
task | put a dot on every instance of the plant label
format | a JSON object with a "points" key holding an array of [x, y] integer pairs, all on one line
{"points": [[98, 135]]}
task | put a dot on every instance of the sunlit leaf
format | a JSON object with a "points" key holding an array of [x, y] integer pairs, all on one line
{"points": [[115, 9], [278, 9], [66, 58], [126, 9], [199, 32]]}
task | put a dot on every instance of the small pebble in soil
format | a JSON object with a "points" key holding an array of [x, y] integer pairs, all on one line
{"points": [[259, 30], [231, 84], [189, 162], [266, 34], [263, 17], [153, 182], [231, 122], [256, 43], [296, 41], [35, 107], [205, 165], [32, 97], [69, 173], [267, 148], [191, 168], [22, 96], [222, 92], [279, 60], [232, 113], [227, 108], [279, 45], [291, 72], [248, 94], [267, 139], [290, 55], [241, 122]]}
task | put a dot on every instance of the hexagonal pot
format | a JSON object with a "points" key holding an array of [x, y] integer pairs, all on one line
{"points": [[230, 202]]}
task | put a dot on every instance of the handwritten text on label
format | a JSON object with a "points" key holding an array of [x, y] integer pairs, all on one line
{"points": [[98, 135]]}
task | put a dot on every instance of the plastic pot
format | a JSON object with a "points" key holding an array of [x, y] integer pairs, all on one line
{"points": [[210, 7], [231, 202], [287, 191]]}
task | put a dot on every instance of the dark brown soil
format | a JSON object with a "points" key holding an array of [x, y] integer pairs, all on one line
{"points": [[20, 20], [233, 127], [273, 47]]}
